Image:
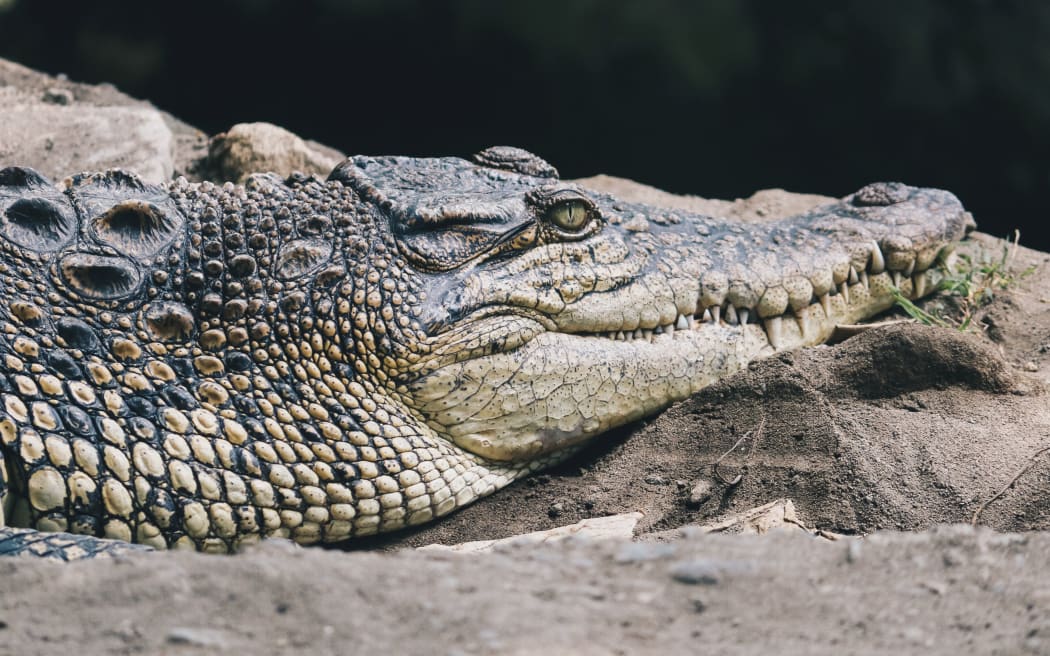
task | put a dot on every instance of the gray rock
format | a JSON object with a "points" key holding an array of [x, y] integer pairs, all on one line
{"points": [[58, 96], [700, 493], [60, 140], [248, 148], [61, 127]]}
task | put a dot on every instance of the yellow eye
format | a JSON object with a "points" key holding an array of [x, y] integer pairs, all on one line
{"points": [[571, 216]]}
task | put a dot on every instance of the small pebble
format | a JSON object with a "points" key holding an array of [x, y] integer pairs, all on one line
{"points": [[555, 510], [698, 604], [657, 479], [58, 96], [695, 572], [199, 637], [700, 493]]}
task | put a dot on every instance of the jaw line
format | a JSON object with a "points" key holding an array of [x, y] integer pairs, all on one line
{"points": [[604, 384]]}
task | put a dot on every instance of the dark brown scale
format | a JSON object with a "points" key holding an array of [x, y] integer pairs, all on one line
{"points": [[170, 322], [242, 265], [100, 277], [77, 334], [138, 227]]}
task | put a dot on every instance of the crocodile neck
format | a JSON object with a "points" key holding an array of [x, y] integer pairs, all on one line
{"points": [[246, 397]]}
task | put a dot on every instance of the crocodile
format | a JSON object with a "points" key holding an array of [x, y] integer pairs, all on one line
{"points": [[202, 366]]}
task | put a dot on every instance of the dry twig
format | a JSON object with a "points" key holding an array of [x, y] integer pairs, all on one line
{"points": [[739, 477], [1022, 472]]}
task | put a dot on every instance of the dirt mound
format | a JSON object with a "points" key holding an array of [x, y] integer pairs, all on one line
{"points": [[902, 427]]}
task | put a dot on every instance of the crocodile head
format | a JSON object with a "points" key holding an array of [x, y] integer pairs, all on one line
{"points": [[545, 314]]}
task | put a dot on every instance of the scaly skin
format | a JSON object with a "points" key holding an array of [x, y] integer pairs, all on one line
{"points": [[200, 366]]}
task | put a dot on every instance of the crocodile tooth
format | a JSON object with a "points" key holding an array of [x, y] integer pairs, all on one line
{"points": [[612, 334], [878, 263], [620, 336], [896, 275], [844, 290], [864, 279], [825, 301], [918, 284], [773, 331], [628, 336], [853, 279], [716, 313], [731, 317], [706, 317], [639, 333], [742, 315], [669, 331], [800, 319], [647, 334], [910, 270], [683, 323]]}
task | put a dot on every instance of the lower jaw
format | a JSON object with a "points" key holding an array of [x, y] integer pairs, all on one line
{"points": [[567, 388]]}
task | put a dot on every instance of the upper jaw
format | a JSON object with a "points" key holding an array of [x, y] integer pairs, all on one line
{"points": [[796, 279]]}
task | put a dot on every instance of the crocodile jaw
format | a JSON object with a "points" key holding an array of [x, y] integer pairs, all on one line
{"points": [[559, 389], [566, 388], [532, 387]]}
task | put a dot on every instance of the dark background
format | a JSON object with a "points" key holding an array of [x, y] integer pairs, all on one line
{"points": [[717, 98]]}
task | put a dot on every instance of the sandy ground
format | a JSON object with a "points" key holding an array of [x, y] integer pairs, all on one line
{"points": [[903, 428], [947, 592]]}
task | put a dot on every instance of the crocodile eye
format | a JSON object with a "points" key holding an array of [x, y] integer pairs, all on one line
{"points": [[571, 216]]}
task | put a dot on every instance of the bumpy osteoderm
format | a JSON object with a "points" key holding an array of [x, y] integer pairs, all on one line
{"points": [[202, 366]]}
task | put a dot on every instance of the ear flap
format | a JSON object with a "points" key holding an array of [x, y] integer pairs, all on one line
{"points": [[509, 158]]}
